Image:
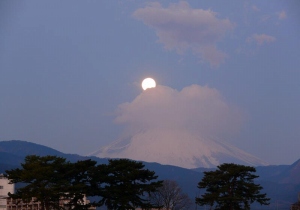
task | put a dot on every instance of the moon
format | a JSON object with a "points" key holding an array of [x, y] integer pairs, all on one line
{"points": [[148, 83]]}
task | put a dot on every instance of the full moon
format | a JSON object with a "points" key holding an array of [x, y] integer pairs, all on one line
{"points": [[148, 83]]}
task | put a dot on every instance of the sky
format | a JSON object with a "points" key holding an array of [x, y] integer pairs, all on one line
{"points": [[71, 72]]}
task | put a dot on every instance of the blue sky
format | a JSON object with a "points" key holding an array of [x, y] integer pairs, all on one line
{"points": [[67, 66]]}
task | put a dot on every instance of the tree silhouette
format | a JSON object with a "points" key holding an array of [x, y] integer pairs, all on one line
{"points": [[231, 187], [80, 183], [126, 185], [120, 184], [48, 179], [44, 179]]}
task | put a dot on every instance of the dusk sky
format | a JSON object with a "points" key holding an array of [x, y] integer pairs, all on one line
{"points": [[71, 72]]}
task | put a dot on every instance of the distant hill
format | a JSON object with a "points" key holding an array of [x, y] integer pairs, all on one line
{"points": [[22, 148], [17, 150], [281, 183]]}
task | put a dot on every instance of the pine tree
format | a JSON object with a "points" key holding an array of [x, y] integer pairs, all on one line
{"points": [[43, 178], [126, 185], [231, 187]]}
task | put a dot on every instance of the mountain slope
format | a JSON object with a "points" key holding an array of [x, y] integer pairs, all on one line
{"points": [[13, 152], [23, 148], [291, 174], [179, 148]]}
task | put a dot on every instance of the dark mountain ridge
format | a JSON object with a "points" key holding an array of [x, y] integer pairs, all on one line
{"points": [[17, 150]]}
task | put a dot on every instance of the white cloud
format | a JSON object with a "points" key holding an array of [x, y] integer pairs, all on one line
{"points": [[255, 8], [181, 28], [281, 15], [196, 109], [260, 39]]}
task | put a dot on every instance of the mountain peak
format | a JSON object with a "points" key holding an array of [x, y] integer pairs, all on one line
{"points": [[178, 148]]}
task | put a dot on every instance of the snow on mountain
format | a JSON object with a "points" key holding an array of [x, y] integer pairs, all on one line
{"points": [[179, 148]]}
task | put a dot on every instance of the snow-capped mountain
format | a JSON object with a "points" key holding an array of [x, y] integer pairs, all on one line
{"points": [[178, 148]]}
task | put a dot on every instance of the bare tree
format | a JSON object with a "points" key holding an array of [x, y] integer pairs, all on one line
{"points": [[170, 197]]}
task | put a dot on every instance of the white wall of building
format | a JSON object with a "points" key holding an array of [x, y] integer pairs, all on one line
{"points": [[5, 188]]}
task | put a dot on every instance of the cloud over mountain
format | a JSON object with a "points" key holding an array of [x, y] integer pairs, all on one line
{"points": [[198, 109], [181, 28], [184, 128]]}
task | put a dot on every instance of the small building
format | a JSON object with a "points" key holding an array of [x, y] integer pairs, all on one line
{"points": [[18, 204], [5, 188], [7, 203]]}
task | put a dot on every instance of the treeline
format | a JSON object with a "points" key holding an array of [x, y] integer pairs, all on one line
{"points": [[120, 184], [126, 184]]}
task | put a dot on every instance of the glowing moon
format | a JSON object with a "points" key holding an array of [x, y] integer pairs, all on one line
{"points": [[148, 83]]}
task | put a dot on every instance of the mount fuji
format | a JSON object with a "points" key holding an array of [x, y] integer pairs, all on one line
{"points": [[179, 148]]}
